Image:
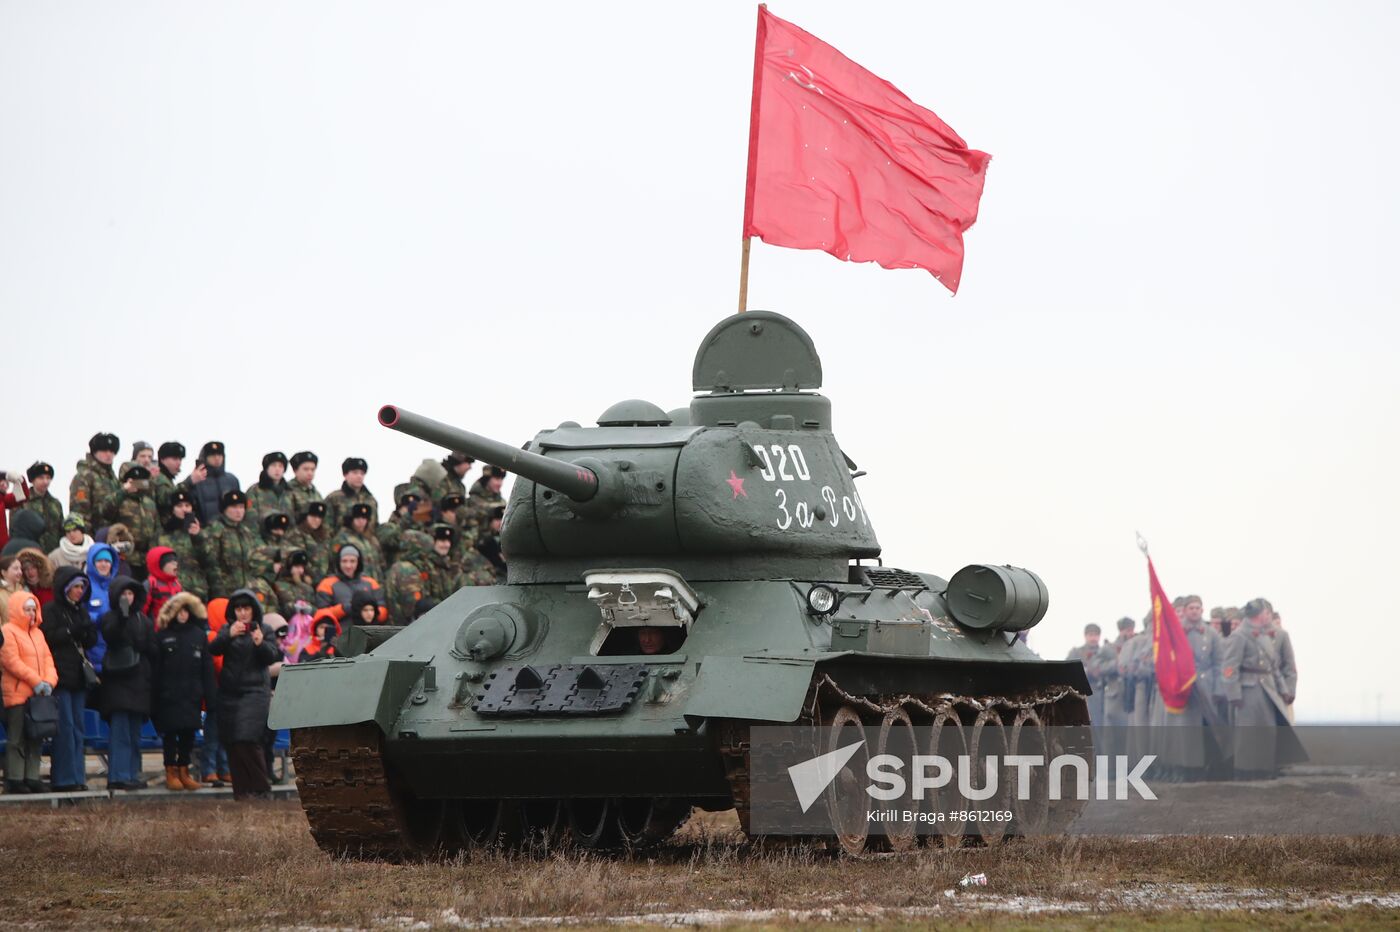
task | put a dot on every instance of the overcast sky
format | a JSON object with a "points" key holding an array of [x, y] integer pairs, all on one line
{"points": [[256, 222]]}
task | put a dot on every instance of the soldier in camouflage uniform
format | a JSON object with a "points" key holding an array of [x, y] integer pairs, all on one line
{"points": [[352, 491], [357, 531], [293, 584], [264, 565], [454, 482], [230, 546], [312, 535], [454, 566], [425, 481], [182, 533], [409, 579], [171, 456], [303, 484], [93, 491], [275, 527], [270, 493], [488, 541], [40, 475], [136, 508], [391, 532]]}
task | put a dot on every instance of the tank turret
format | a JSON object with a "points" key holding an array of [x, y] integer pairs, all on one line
{"points": [[751, 485]]}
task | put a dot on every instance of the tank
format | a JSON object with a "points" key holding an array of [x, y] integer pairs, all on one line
{"points": [[674, 579]]}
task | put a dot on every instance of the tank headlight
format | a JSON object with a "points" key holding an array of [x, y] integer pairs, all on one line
{"points": [[822, 600]]}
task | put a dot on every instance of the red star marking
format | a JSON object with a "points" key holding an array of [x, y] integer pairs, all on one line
{"points": [[736, 484]]}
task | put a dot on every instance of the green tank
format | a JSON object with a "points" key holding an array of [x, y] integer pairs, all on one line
{"points": [[674, 579]]}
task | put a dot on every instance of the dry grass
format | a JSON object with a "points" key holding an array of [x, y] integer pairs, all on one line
{"points": [[203, 864]]}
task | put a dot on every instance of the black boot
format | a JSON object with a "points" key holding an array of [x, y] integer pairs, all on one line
{"points": [[14, 787], [35, 786]]}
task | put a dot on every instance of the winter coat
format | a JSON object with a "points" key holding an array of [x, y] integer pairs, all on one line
{"points": [[50, 510], [26, 527], [245, 685], [192, 551], [119, 537], [206, 494], [66, 554], [298, 636], [43, 585], [98, 596], [128, 690], [184, 667], [161, 585], [317, 649], [25, 660], [218, 609], [266, 497], [69, 630], [337, 591]]}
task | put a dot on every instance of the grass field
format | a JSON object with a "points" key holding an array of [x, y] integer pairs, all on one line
{"points": [[222, 864]]}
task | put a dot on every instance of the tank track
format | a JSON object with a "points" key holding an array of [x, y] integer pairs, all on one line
{"points": [[355, 810], [1061, 705], [345, 790]]}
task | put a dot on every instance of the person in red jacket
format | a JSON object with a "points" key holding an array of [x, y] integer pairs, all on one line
{"points": [[163, 583], [325, 628], [28, 670]]}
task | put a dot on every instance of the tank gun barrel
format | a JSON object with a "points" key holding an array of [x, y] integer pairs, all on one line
{"points": [[578, 482]]}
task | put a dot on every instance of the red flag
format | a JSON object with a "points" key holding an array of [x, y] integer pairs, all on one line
{"points": [[1171, 651], [840, 160]]}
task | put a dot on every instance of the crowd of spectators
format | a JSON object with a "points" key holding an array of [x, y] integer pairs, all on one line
{"points": [[178, 600]]}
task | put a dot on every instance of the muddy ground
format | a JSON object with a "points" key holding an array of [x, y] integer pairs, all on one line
{"points": [[205, 864]]}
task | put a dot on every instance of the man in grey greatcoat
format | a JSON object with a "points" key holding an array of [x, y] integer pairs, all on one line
{"points": [[1263, 740], [1088, 655]]}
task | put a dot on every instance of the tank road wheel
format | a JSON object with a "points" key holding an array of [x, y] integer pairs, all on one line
{"points": [[897, 738], [643, 822], [947, 739], [426, 823], [484, 823], [1069, 734], [846, 800], [592, 822], [1032, 815], [988, 740], [544, 823]]}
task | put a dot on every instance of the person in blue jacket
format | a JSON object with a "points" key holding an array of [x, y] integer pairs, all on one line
{"points": [[101, 570]]}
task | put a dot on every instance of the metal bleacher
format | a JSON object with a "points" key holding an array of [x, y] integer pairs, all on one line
{"points": [[97, 738]]}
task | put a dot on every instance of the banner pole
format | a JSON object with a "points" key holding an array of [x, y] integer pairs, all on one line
{"points": [[744, 278], [753, 157]]}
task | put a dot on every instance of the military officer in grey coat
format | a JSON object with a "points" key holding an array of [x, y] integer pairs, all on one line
{"points": [[1115, 709], [1263, 740], [1088, 655], [1287, 678], [1138, 668]]}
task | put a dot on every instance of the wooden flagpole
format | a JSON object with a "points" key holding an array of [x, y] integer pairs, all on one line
{"points": [[744, 278], [753, 157]]}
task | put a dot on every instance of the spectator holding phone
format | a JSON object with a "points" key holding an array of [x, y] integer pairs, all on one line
{"points": [[184, 684], [126, 680], [245, 692]]}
